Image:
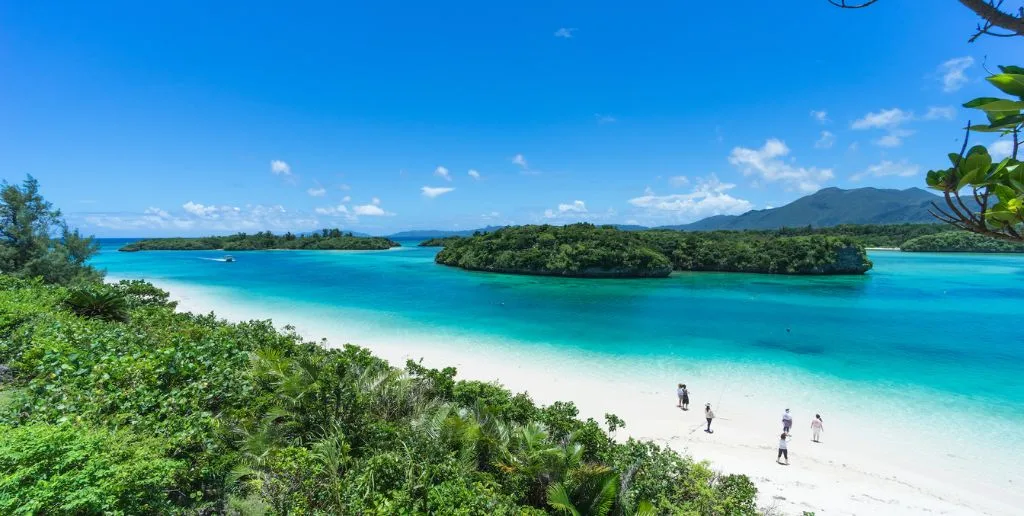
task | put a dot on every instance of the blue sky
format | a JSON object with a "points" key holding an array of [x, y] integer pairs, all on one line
{"points": [[144, 119]]}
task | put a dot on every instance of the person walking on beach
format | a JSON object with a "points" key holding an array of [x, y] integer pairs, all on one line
{"points": [[817, 427], [783, 448], [787, 421], [709, 415], [684, 397]]}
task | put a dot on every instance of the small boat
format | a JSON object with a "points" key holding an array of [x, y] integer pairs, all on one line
{"points": [[229, 258]]}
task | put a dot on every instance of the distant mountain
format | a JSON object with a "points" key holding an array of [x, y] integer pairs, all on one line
{"points": [[830, 207], [439, 233]]}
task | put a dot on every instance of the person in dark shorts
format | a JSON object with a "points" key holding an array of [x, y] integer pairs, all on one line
{"points": [[783, 448], [709, 415], [684, 397]]}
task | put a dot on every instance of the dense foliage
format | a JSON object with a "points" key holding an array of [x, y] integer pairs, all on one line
{"points": [[588, 250], [995, 188], [961, 242], [36, 242], [177, 413], [326, 239], [440, 241], [582, 250], [868, 235]]}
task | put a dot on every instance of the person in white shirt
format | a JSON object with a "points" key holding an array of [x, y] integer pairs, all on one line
{"points": [[783, 448], [787, 421], [684, 397], [709, 415], [817, 427]]}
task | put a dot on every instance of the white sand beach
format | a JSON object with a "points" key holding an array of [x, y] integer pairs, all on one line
{"points": [[870, 462]]}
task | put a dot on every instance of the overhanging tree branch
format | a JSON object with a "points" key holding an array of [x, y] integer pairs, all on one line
{"points": [[990, 12]]}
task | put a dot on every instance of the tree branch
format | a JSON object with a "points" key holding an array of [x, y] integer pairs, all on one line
{"points": [[843, 5], [993, 16]]}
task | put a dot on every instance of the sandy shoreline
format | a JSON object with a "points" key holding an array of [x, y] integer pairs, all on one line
{"points": [[850, 472]]}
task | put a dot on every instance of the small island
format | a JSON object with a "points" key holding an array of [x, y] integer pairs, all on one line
{"points": [[440, 241], [326, 239], [588, 251], [959, 242]]}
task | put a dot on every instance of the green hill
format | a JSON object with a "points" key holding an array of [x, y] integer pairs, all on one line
{"points": [[831, 207]]}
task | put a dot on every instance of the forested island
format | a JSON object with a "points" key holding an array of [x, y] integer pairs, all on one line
{"points": [[585, 250], [440, 241], [326, 239], [960, 242]]}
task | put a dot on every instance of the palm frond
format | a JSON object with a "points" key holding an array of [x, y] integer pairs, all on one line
{"points": [[558, 499]]}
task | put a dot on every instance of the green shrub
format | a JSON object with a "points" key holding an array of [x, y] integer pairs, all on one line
{"points": [[66, 469]]}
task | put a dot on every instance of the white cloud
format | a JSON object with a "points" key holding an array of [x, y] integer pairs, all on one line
{"points": [[575, 208], [430, 191], [375, 201], [340, 209], [820, 116], [199, 210], [344, 187], [318, 191], [604, 119], [280, 168], [884, 119], [370, 210], [443, 173], [826, 141], [708, 197], [894, 138], [347, 198], [520, 160], [157, 212], [764, 163], [854, 146], [940, 113], [888, 168], [564, 32], [953, 76], [889, 120], [678, 181], [474, 174], [1000, 149], [197, 218]]}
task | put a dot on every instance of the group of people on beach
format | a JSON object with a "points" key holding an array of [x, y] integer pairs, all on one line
{"points": [[817, 424]]}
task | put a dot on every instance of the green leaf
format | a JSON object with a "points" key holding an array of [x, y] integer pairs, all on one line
{"points": [[1011, 69], [1011, 83], [1011, 106], [954, 158], [1007, 122], [981, 101], [988, 129], [1005, 193], [937, 179]]}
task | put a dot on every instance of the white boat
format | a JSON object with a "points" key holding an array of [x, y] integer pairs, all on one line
{"points": [[229, 258]]}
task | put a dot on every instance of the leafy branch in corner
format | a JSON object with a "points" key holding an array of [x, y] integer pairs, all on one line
{"points": [[995, 206]]}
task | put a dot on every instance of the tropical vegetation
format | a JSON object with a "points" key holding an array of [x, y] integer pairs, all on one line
{"points": [[36, 242], [980, 194], [326, 239], [440, 241], [585, 250], [961, 242]]}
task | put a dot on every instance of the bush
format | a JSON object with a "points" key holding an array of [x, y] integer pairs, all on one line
{"points": [[79, 470]]}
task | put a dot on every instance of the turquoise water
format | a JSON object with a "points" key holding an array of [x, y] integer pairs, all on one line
{"points": [[940, 324]]}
